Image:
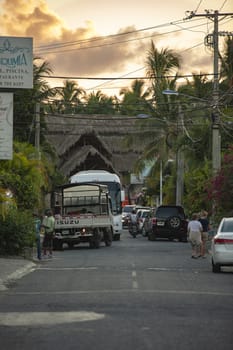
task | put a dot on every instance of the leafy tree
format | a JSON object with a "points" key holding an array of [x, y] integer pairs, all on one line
{"points": [[25, 176], [196, 180], [17, 231]]}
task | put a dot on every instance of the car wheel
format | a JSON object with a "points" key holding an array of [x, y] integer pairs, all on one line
{"points": [[174, 222], [216, 268], [57, 245], [151, 237], [144, 232]]}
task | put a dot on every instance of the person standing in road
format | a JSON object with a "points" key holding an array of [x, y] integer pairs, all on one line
{"points": [[49, 225], [195, 230], [205, 224]]}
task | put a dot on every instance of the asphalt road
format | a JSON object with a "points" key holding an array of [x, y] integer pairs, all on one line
{"points": [[135, 295]]}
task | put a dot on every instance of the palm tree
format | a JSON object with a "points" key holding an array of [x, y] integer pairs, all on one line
{"points": [[161, 132], [69, 98], [26, 99], [161, 68], [99, 103], [135, 99], [227, 63]]}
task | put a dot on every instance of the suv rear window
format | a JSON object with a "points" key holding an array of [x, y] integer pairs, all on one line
{"points": [[167, 211]]}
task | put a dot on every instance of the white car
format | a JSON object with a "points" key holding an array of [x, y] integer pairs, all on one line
{"points": [[222, 245], [141, 215]]}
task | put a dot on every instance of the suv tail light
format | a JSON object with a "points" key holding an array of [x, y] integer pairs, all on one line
{"points": [[223, 241], [153, 221]]}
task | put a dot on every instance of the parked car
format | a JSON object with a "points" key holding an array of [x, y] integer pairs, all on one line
{"points": [[142, 214], [126, 211], [169, 221], [147, 224], [222, 245]]}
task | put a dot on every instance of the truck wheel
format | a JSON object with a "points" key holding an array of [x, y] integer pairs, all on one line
{"points": [[108, 237], [92, 244], [97, 238], [97, 243]]}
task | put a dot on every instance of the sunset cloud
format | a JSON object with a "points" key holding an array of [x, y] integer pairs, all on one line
{"points": [[95, 56], [80, 51]]}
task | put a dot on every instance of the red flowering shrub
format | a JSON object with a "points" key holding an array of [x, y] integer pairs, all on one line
{"points": [[220, 190]]}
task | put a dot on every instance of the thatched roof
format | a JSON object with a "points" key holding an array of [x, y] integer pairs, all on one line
{"points": [[92, 142]]}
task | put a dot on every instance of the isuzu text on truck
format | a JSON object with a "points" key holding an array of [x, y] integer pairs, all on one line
{"points": [[85, 216]]}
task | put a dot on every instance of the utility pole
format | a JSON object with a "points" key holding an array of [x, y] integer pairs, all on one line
{"points": [[161, 183], [216, 137], [180, 163]]}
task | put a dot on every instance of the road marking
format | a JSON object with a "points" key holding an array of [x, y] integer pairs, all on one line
{"points": [[66, 268], [46, 318], [134, 280], [119, 291]]}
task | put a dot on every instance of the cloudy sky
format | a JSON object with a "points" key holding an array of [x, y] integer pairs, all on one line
{"points": [[89, 39]]}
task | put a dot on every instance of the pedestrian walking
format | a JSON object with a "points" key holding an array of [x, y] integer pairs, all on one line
{"points": [[204, 235], [48, 224], [194, 234]]}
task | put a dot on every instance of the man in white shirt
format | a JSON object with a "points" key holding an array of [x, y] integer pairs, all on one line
{"points": [[195, 230], [49, 225]]}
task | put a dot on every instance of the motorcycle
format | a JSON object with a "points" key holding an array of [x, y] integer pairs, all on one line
{"points": [[133, 229]]}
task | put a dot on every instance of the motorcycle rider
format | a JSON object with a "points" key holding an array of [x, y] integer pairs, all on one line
{"points": [[133, 221]]}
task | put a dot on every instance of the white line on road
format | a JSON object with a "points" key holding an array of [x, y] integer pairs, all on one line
{"points": [[67, 268], [46, 318], [119, 291], [134, 280]]}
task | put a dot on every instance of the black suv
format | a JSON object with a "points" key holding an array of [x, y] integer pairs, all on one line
{"points": [[169, 221]]}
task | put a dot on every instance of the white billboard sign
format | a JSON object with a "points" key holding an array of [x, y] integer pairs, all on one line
{"points": [[6, 125], [16, 63]]}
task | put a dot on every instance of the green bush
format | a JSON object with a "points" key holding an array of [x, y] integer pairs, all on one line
{"points": [[17, 231]]}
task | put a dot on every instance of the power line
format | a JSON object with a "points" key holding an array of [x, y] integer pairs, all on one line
{"points": [[126, 78], [102, 38]]}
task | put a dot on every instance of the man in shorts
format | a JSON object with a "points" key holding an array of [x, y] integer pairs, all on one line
{"points": [[195, 230], [48, 224]]}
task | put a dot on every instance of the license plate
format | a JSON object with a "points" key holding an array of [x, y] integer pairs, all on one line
{"points": [[65, 232], [160, 223]]}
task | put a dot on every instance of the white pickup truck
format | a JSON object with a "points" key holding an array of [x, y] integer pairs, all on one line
{"points": [[85, 217]]}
